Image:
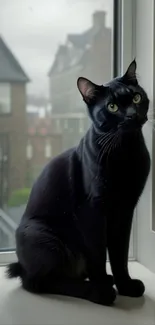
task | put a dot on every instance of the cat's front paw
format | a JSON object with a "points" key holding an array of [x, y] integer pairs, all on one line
{"points": [[131, 288], [105, 295], [109, 279]]}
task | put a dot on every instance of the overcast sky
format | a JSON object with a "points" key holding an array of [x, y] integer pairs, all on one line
{"points": [[33, 29]]}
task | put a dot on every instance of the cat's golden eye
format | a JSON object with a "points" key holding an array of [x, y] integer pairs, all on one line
{"points": [[137, 98], [112, 108]]}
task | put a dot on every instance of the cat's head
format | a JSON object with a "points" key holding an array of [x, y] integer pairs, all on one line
{"points": [[120, 104]]}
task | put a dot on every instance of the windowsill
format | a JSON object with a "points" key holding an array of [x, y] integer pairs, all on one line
{"points": [[20, 307]]}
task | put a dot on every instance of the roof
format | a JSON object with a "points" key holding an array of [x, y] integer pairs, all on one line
{"points": [[77, 48], [10, 69], [80, 40], [71, 58], [63, 52]]}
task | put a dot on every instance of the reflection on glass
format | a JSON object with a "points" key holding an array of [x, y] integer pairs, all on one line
{"points": [[42, 53]]}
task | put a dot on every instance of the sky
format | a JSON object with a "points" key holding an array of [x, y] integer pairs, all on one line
{"points": [[33, 29]]}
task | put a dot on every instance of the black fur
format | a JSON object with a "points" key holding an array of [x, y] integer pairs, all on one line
{"points": [[14, 270], [83, 202]]}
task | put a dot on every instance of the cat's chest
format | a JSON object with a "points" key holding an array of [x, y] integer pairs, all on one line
{"points": [[128, 172]]}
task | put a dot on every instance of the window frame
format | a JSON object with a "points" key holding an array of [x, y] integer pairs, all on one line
{"points": [[145, 52], [152, 221], [122, 54]]}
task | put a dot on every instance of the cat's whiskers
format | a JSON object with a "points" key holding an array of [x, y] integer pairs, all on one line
{"points": [[108, 152], [113, 145], [111, 142], [118, 140], [104, 146], [104, 143], [106, 139], [102, 137]]}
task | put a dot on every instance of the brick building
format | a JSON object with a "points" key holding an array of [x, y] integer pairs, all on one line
{"points": [[13, 127], [43, 144]]}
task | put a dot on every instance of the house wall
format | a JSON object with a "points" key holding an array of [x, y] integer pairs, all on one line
{"points": [[14, 124], [72, 128], [64, 94], [39, 159], [99, 68]]}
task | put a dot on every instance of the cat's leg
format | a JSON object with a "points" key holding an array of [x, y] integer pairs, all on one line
{"points": [[119, 229], [47, 266], [66, 287], [93, 231]]}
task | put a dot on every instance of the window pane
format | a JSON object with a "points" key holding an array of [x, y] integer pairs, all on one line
{"points": [[48, 149], [5, 98], [43, 50], [29, 151]]}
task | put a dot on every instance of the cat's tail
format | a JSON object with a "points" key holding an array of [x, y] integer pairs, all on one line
{"points": [[14, 270]]}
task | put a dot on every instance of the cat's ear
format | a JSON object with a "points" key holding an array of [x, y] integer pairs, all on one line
{"points": [[87, 89], [130, 74]]}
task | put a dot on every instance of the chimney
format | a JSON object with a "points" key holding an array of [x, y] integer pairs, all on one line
{"points": [[99, 20]]}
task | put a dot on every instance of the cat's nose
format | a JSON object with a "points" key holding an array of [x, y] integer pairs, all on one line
{"points": [[131, 113]]}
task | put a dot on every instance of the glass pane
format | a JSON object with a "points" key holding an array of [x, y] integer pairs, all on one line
{"points": [[44, 48], [5, 98]]}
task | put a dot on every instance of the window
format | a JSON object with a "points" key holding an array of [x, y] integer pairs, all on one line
{"points": [[58, 125], [5, 99], [145, 31], [48, 149], [51, 46], [81, 125], [29, 151], [65, 124]]}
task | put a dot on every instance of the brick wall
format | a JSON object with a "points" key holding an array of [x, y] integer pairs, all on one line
{"points": [[14, 125]]}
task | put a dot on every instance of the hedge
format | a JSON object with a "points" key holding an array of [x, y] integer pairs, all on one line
{"points": [[19, 197]]}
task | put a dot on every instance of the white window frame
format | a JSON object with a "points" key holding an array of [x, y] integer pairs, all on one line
{"points": [[5, 99], [152, 222], [145, 54], [127, 54]]}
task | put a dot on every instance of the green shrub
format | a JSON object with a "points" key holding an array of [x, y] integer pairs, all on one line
{"points": [[19, 197]]}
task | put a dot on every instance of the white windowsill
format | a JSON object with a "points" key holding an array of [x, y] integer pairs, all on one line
{"points": [[20, 307]]}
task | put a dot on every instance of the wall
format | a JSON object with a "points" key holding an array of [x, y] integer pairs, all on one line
{"points": [[18, 137], [64, 92], [70, 128], [35, 165], [14, 125], [98, 68]]}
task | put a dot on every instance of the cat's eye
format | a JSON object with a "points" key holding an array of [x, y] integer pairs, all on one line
{"points": [[112, 108], [137, 99]]}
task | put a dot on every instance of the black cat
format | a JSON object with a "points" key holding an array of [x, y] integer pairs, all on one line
{"points": [[83, 202]]}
